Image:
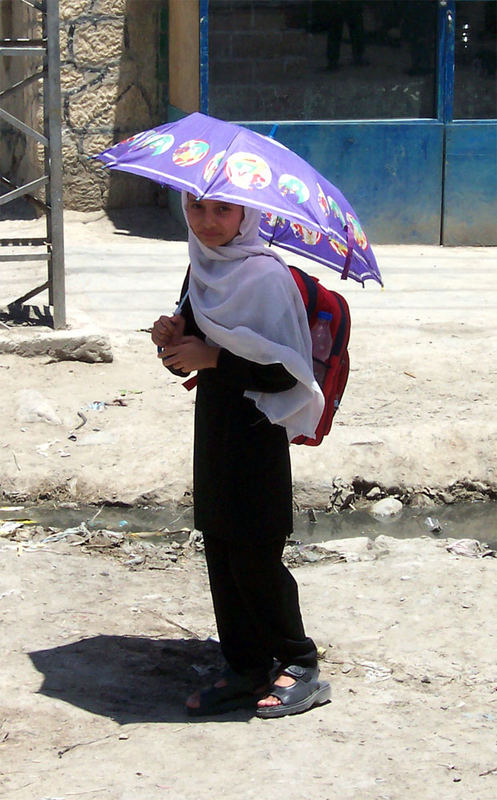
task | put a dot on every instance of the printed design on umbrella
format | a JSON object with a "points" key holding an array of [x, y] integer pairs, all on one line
{"points": [[336, 210], [134, 141], [157, 142], [212, 165], [307, 235], [273, 220], [359, 234], [323, 201], [293, 187], [338, 247], [248, 171], [190, 152]]}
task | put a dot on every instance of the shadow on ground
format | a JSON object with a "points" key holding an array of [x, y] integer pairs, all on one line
{"points": [[130, 678], [26, 315]]}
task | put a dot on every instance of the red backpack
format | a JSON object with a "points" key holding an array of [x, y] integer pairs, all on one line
{"points": [[317, 298]]}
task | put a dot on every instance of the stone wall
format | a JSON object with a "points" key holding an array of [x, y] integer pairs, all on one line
{"points": [[110, 89], [109, 51]]}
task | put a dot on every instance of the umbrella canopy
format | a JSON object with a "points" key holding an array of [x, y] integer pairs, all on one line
{"points": [[216, 160]]}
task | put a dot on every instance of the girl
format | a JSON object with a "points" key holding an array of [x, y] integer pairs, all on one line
{"points": [[243, 327]]}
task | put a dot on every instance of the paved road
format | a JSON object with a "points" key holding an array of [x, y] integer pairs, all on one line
{"points": [[121, 281]]}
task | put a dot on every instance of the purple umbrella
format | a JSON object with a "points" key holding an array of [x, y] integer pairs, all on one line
{"points": [[216, 160]]}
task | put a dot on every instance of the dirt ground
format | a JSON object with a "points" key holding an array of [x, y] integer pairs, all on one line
{"points": [[98, 656], [101, 644]]}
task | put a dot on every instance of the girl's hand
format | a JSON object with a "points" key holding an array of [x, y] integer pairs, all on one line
{"points": [[190, 354], [168, 330]]}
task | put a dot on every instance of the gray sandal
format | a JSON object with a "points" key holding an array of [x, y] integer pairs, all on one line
{"points": [[240, 692], [306, 692]]}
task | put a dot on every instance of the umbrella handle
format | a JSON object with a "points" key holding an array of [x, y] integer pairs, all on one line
{"points": [[178, 311], [350, 250]]}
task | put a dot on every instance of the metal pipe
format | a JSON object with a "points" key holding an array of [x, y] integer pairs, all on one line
{"points": [[30, 294], [29, 198], [21, 190], [55, 217], [21, 84], [16, 242], [23, 43], [26, 257], [20, 51], [21, 126]]}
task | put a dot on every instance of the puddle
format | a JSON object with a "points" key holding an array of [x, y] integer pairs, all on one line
{"points": [[458, 521], [137, 519]]}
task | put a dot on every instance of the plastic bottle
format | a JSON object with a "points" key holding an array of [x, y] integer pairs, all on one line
{"points": [[321, 345]]}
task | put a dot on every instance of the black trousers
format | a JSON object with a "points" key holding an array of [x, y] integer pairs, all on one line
{"points": [[256, 605]]}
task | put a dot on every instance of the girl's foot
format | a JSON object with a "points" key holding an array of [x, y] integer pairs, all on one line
{"points": [[295, 690], [231, 692], [193, 701], [271, 700]]}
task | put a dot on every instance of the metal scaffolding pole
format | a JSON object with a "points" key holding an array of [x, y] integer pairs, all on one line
{"points": [[53, 244]]}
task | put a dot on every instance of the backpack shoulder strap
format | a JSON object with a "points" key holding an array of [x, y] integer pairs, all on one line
{"points": [[308, 289]]}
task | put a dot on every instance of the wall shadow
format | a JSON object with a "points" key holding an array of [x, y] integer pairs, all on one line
{"points": [[149, 222], [142, 104]]}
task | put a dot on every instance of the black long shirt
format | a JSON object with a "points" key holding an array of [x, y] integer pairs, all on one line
{"points": [[241, 467]]}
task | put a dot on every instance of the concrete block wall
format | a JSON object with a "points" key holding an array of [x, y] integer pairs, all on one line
{"points": [[110, 90]]}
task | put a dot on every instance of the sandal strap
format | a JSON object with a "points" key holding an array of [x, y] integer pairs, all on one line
{"points": [[298, 691], [304, 674], [215, 694]]}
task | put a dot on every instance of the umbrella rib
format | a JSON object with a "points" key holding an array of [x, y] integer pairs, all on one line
{"points": [[365, 274], [221, 164], [134, 169]]}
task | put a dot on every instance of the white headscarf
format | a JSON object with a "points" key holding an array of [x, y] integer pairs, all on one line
{"points": [[245, 300]]}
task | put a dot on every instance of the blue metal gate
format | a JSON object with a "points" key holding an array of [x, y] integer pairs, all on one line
{"points": [[426, 177], [468, 92]]}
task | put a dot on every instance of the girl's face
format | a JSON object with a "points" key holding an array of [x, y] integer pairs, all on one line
{"points": [[214, 222]]}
